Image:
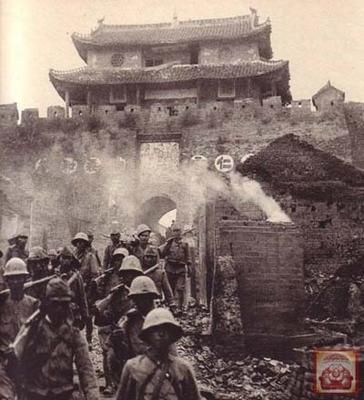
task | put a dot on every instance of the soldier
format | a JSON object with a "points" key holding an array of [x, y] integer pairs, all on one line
{"points": [[17, 247], [37, 264], [158, 275], [51, 349], [15, 309], [110, 277], [90, 236], [125, 340], [142, 234], [88, 271], [68, 270], [53, 261], [177, 256], [109, 251], [158, 374], [109, 312]]}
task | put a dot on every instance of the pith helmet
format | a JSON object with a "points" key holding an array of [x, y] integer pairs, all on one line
{"points": [[65, 252], [158, 317], [58, 290], [80, 236], [52, 253], [142, 228], [143, 285], [15, 266], [120, 251], [37, 253], [21, 235], [131, 263], [115, 228]]}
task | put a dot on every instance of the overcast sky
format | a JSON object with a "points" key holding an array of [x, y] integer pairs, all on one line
{"points": [[322, 39]]}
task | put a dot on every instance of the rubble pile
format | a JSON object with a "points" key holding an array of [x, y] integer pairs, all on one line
{"points": [[247, 378]]}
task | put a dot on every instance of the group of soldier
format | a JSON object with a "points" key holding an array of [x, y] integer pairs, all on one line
{"points": [[133, 297]]}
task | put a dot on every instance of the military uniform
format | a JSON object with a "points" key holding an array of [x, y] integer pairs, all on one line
{"points": [[139, 251], [177, 255], [88, 266], [47, 363], [79, 305], [109, 251], [142, 374], [16, 251], [88, 271], [118, 304], [161, 281], [12, 316]]}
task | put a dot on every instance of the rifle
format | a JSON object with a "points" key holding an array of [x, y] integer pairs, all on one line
{"points": [[22, 338], [28, 285], [103, 303]]}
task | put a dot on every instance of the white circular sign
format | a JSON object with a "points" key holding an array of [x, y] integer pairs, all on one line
{"points": [[92, 165], [69, 165], [224, 163]]}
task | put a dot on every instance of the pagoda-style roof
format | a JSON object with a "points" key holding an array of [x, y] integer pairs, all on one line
{"points": [[164, 73], [191, 31]]}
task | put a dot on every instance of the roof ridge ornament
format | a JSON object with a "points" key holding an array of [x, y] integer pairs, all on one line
{"points": [[254, 19], [175, 17]]}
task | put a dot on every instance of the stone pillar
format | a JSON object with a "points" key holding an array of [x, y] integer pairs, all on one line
{"points": [[249, 87], [138, 100]]}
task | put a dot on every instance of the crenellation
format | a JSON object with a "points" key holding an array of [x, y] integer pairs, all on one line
{"points": [[54, 112], [29, 115]]}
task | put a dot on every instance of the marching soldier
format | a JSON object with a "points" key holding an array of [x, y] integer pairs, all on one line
{"points": [[68, 270], [37, 264], [158, 275], [143, 234], [158, 374], [109, 312], [88, 271], [109, 251], [51, 348], [111, 277], [15, 309], [17, 247], [90, 236], [178, 262], [125, 340]]}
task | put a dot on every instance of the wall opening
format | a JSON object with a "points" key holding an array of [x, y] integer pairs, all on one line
{"points": [[153, 210]]}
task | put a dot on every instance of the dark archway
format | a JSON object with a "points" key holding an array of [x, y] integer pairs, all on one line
{"points": [[152, 210]]}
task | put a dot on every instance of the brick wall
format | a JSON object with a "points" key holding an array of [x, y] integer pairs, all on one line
{"points": [[235, 129], [354, 114], [268, 261]]}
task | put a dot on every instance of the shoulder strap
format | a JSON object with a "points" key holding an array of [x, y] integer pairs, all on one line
{"points": [[158, 386]]}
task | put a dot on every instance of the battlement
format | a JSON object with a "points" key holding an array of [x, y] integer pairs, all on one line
{"points": [[187, 112]]}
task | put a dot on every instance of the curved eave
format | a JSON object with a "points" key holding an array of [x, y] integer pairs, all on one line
{"points": [[87, 76], [85, 42]]}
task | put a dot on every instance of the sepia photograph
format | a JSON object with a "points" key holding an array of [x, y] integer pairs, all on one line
{"points": [[181, 200]]}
